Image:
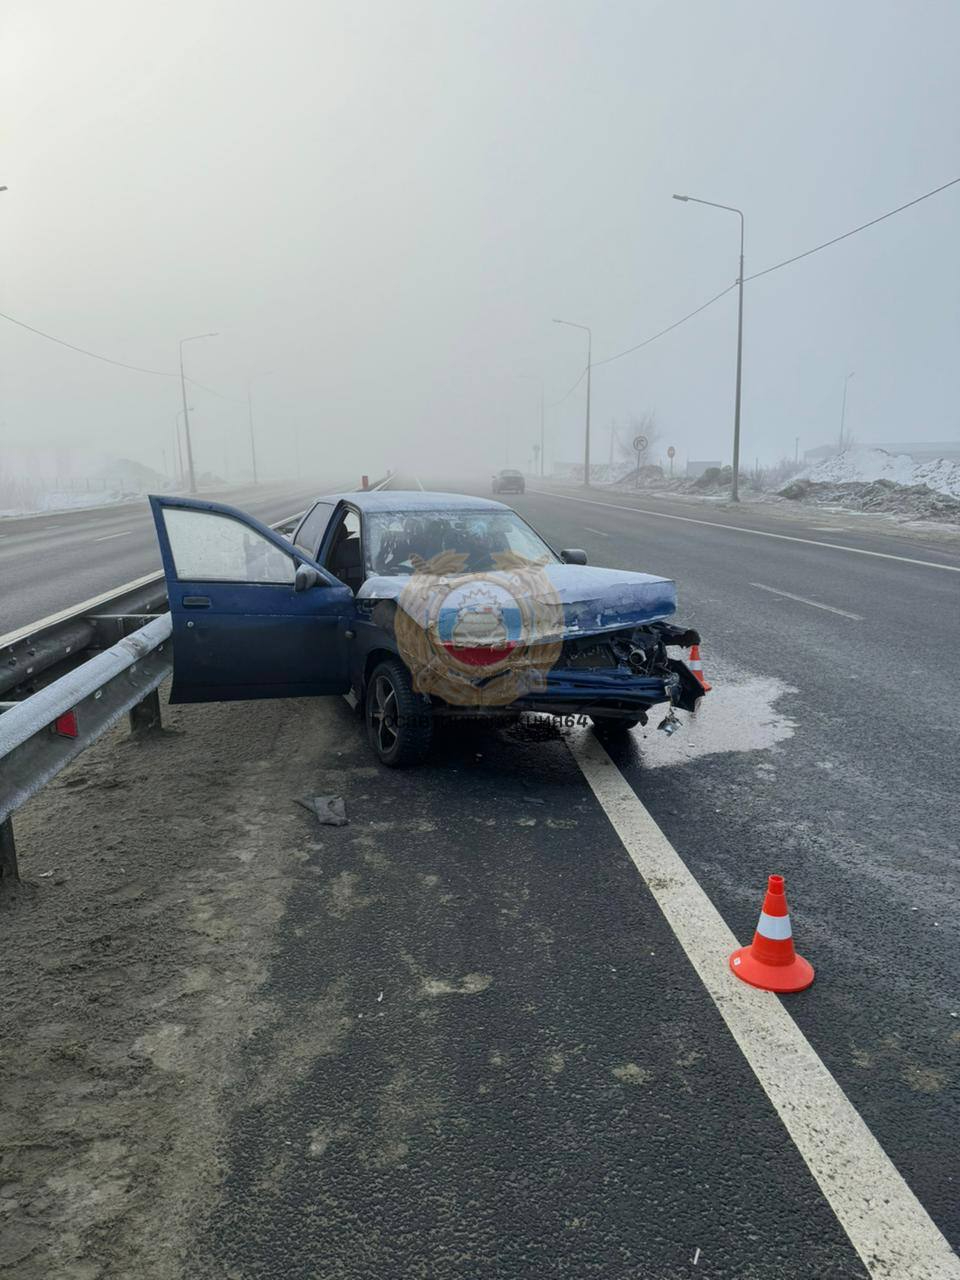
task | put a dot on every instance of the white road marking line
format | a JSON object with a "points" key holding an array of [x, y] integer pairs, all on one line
{"points": [[803, 600], [587, 529], [885, 1222], [107, 536], [760, 533]]}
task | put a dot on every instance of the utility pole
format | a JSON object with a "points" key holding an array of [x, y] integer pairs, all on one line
{"points": [[179, 458], [541, 429], [586, 434], [843, 408], [796, 449], [735, 490], [186, 412], [253, 445]]}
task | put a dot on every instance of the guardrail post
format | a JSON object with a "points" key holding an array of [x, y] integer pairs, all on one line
{"points": [[9, 871], [145, 715]]}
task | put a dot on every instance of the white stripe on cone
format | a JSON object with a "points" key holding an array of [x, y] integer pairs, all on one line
{"points": [[777, 928]]}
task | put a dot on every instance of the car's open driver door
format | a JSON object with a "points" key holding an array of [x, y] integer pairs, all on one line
{"points": [[253, 617]]}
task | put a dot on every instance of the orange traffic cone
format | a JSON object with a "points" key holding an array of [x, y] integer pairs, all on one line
{"points": [[696, 666], [770, 961]]}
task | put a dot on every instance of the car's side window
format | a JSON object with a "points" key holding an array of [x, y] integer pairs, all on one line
{"points": [[207, 546], [310, 534], [343, 557]]}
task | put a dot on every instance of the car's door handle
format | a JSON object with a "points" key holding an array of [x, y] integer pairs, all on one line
{"points": [[196, 602]]}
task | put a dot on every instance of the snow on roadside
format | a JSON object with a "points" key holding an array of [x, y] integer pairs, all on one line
{"points": [[864, 465]]}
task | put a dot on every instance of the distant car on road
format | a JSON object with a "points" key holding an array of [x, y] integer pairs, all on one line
{"points": [[422, 605], [508, 481]]}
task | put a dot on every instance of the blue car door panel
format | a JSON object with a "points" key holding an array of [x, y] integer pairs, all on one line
{"points": [[241, 627]]}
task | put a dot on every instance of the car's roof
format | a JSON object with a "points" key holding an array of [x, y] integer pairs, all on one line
{"points": [[413, 500]]}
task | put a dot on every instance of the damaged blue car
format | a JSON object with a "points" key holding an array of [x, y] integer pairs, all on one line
{"points": [[421, 605]]}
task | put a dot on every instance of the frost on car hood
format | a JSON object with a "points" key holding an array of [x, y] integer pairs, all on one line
{"points": [[593, 599]]}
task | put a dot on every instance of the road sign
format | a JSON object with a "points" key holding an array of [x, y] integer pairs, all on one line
{"points": [[671, 452], [639, 443]]}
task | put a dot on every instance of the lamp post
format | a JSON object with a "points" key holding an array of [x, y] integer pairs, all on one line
{"points": [[179, 454], [586, 433], [735, 491], [186, 412], [843, 407]]}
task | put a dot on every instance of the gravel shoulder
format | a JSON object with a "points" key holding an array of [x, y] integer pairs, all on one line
{"points": [[154, 875]]}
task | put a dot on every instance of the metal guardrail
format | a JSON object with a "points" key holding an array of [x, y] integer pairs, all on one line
{"points": [[36, 654], [95, 696], [71, 676]]}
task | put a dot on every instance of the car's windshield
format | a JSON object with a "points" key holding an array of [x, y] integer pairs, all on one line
{"points": [[395, 539]]}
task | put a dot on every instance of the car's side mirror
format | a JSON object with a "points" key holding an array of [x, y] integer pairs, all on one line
{"points": [[573, 555], [305, 578]]}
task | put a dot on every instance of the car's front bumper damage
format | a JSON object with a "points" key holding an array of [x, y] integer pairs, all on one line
{"points": [[617, 675]]}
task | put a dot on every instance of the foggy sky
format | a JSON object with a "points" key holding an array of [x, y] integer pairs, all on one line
{"points": [[382, 204]]}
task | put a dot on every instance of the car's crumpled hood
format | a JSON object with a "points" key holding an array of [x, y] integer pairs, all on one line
{"points": [[594, 600]]}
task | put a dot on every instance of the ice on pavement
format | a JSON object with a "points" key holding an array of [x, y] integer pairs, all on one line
{"points": [[863, 465], [739, 714]]}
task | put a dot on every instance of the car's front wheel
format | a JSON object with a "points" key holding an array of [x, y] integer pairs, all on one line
{"points": [[399, 723]]}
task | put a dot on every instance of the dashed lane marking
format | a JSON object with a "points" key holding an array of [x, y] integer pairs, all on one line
{"points": [[738, 528], [587, 529], [885, 1222], [803, 600], [107, 536]]}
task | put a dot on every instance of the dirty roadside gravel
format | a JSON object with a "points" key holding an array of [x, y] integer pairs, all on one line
{"points": [[154, 875]]}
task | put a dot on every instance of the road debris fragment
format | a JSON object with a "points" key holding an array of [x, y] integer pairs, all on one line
{"points": [[329, 810]]}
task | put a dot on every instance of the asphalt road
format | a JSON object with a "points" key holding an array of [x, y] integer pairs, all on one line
{"points": [[480, 1048], [49, 562], [591, 1115]]}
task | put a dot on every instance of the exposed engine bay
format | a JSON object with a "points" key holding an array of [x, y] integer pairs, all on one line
{"points": [[643, 652]]}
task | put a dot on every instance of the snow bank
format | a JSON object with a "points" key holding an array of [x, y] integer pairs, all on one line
{"points": [[864, 465]]}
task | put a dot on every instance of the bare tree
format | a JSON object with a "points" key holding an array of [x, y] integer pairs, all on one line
{"points": [[639, 424]]}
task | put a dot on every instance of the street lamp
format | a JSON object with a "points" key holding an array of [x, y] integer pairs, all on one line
{"points": [[253, 447], [586, 433], [843, 407], [735, 492], [178, 456], [186, 413]]}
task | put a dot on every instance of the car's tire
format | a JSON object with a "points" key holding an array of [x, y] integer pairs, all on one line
{"points": [[613, 728], [399, 722]]}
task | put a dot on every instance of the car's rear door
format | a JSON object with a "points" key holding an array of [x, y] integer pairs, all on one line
{"points": [[245, 622]]}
